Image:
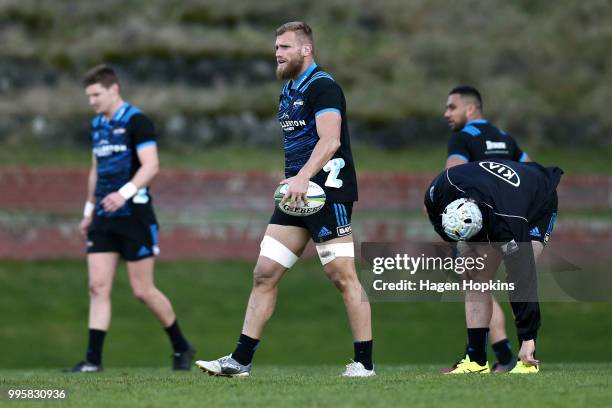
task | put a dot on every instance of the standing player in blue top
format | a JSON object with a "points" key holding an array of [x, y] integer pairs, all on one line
{"points": [[312, 114], [118, 218], [474, 139]]}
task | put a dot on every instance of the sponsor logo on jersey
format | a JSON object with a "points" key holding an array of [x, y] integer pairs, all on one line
{"points": [[289, 125], [502, 171], [344, 230], [496, 145], [119, 131], [108, 149]]}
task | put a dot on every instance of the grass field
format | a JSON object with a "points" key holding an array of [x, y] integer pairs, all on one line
{"points": [[367, 158], [307, 342], [44, 307], [567, 385]]}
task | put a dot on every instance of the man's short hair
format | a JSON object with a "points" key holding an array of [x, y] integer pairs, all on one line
{"points": [[100, 74], [300, 28], [469, 91]]}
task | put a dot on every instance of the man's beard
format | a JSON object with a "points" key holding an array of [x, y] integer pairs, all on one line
{"points": [[290, 69], [457, 126]]}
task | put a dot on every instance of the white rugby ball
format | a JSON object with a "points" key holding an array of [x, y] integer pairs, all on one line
{"points": [[315, 196]]}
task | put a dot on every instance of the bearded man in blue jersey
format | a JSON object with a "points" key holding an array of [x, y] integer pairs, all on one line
{"points": [[312, 116]]}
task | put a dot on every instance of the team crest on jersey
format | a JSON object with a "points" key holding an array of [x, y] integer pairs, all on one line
{"points": [[502, 171]]}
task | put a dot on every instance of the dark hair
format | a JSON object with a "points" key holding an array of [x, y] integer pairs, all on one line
{"points": [[469, 91], [298, 27], [100, 74]]}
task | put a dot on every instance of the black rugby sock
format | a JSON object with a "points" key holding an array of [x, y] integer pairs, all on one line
{"points": [[363, 353], [94, 347], [477, 344], [179, 343], [503, 351], [245, 349]]}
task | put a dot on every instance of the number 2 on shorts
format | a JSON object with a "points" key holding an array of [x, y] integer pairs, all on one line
{"points": [[333, 168]]}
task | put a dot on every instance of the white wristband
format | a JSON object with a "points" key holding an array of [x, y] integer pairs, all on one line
{"points": [[89, 209], [128, 190]]}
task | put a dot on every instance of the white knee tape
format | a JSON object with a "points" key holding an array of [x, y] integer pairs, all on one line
{"points": [[274, 250], [329, 252]]}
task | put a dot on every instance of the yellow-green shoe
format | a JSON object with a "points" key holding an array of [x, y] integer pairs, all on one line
{"points": [[522, 368], [466, 366]]}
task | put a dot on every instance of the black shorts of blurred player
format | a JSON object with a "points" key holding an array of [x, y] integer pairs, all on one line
{"points": [[133, 238]]}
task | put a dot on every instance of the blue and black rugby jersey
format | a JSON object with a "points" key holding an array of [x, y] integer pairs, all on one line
{"points": [[479, 140], [115, 144], [510, 195], [312, 94]]}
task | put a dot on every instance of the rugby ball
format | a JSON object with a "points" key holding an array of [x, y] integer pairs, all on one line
{"points": [[315, 195]]}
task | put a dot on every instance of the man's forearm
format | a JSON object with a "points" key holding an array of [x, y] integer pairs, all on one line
{"points": [[91, 186], [144, 175], [322, 153]]}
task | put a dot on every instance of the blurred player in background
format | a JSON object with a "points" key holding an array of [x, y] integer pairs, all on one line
{"points": [[498, 202], [312, 114], [118, 219], [475, 138]]}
